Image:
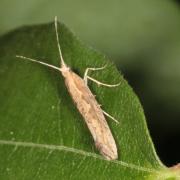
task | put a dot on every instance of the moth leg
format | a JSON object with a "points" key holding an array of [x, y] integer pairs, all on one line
{"points": [[86, 77], [91, 69], [108, 115], [100, 83]]}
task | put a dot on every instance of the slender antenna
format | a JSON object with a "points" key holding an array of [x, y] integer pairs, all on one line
{"points": [[58, 44], [40, 62]]}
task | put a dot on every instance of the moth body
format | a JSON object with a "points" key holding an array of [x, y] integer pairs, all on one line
{"points": [[92, 113], [87, 105]]}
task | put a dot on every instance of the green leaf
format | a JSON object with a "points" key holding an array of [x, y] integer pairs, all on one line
{"points": [[43, 136]]}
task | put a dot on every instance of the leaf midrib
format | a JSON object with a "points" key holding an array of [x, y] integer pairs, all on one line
{"points": [[76, 151]]}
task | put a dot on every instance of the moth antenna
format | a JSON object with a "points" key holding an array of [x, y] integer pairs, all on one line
{"points": [[63, 64], [39, 62]]}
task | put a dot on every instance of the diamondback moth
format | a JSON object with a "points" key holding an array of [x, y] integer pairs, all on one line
{"points": [[86, 103]]}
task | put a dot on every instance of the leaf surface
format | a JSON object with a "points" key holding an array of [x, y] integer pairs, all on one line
{"points": [[43, 136]]}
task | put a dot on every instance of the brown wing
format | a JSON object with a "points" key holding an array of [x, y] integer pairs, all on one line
{"points": [[92, 114]]}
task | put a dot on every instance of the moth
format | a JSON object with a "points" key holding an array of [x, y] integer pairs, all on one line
{"points": [[86, 103]]}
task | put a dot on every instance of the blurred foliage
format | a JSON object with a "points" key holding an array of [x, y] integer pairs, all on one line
{"points": [[141, 36]]}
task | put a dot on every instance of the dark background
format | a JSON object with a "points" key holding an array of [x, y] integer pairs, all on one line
{"points": [[142, 37], [166, 137]]}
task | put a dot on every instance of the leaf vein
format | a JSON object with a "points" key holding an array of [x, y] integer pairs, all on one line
{"points": [[77, 151]]}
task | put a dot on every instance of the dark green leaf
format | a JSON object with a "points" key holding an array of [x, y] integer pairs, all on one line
{"points": [[43, 136]]}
